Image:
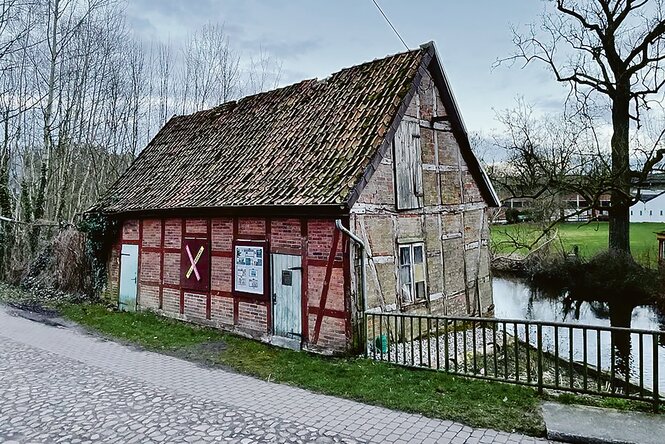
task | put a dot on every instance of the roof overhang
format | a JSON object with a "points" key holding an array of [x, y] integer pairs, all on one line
{"points": [[269, 211]]}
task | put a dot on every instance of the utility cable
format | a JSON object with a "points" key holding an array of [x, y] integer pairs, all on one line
{"points": [[391, 25]]}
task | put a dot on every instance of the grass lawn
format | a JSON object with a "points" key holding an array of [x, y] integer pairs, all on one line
{"points": [[591, 238], [434, 394]]}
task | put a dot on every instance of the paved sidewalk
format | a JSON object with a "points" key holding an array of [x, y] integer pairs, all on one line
{"points": [[117, 385], [596, 425]]}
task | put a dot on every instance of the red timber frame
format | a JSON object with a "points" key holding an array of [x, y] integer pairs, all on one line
{"points": [[331, 263], [320, 312]]}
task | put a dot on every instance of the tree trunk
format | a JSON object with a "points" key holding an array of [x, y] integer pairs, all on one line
{"points": [[619, 215], [39, 207]]}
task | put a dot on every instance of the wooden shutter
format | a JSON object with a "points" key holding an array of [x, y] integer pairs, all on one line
{"points": [[408, 166]]}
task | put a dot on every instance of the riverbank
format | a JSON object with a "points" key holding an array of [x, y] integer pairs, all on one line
{"points": [[631, 354], [590, 239]]}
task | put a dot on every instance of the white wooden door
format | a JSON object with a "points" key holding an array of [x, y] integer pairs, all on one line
{"points": [[287, 299], [129, 266]]}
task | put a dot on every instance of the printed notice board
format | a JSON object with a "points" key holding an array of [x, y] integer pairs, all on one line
{"points": [[249, 263]]}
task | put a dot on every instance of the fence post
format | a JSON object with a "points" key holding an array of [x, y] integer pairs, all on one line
{"points": [[364, 335], [539, 333], [656, 389]]}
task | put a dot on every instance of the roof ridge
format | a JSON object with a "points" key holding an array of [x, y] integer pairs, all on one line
{"points": [[423, 48]]}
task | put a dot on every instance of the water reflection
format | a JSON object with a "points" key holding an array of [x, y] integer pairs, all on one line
{"points": [[515, 300], [620, 316]]}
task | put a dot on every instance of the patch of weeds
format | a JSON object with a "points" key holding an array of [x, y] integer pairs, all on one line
{"points": [[35, 299]]}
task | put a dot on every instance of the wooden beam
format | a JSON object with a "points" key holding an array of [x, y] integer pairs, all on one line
{"points": [[326, 286]]}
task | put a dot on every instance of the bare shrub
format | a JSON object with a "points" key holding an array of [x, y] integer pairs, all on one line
{"points": [[71, 264], [62, 266]]}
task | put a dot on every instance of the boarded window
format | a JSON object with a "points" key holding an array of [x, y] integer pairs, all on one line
{"points": [[195, 264], [412, 275], [408, 166]]}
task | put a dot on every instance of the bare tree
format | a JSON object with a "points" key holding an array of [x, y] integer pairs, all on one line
{"points": [[13, 28], [612, 49], [211, 71], [165, 80], [265, 73], [549, 158], [80, 97]]}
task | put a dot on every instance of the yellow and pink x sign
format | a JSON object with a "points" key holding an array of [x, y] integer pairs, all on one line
{"points": [[193, 261]]}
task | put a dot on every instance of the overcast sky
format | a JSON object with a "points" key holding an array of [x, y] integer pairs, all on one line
{"points": [[314, 38]]}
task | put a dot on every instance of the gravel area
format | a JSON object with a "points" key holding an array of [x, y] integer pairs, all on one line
{"points": [[433, 351]]}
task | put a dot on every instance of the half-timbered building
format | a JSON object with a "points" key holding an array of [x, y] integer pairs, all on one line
{"points": [[287, 214]]}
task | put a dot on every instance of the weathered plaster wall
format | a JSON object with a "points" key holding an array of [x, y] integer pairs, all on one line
{"points": [[326, 319], [453, 223]]}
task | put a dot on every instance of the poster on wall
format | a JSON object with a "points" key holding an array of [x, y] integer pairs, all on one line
{"points": [[195, 264], [249, 263]]}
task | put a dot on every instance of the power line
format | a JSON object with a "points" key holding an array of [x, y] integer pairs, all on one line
{"points": [[391, 25]]}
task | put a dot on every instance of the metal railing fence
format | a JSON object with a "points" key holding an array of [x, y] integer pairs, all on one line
{"points": [[587, 359]]}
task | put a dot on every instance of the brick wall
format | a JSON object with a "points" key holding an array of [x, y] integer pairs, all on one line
{"points": [[285, 234], [452, 224], [150, 267], [252, 317], [252, 226], [152, 233], [222, 234], [220, 276], [149, 297], [172, 233], [221, 311], [328, 306], [113, 270], [130, 230], [195, 306], [171, 302], [160, 252]]}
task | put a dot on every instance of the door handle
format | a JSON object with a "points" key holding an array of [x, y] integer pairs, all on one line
{"points": [[274, 298]]}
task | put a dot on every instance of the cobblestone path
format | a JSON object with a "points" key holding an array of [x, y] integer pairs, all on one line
{"points": [[61, 385]]}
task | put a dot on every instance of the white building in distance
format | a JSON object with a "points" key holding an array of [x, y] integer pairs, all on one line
{"points": [[650, 207]]}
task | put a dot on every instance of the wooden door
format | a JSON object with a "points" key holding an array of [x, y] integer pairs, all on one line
{"points": [[286, 288], [129, 261]]}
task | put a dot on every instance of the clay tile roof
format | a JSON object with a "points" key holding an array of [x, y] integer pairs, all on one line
{"points": [[304, 144]]}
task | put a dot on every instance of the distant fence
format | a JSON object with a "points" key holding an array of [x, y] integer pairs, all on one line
{"points": [[587, 359]]}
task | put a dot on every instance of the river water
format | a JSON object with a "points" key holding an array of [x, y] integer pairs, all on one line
{"points": [[514, 299]]}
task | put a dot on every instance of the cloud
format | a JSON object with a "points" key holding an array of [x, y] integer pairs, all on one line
{"points": [[176, 8], [289, 76], [280, 48], [141, 25], [174, 19]]}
